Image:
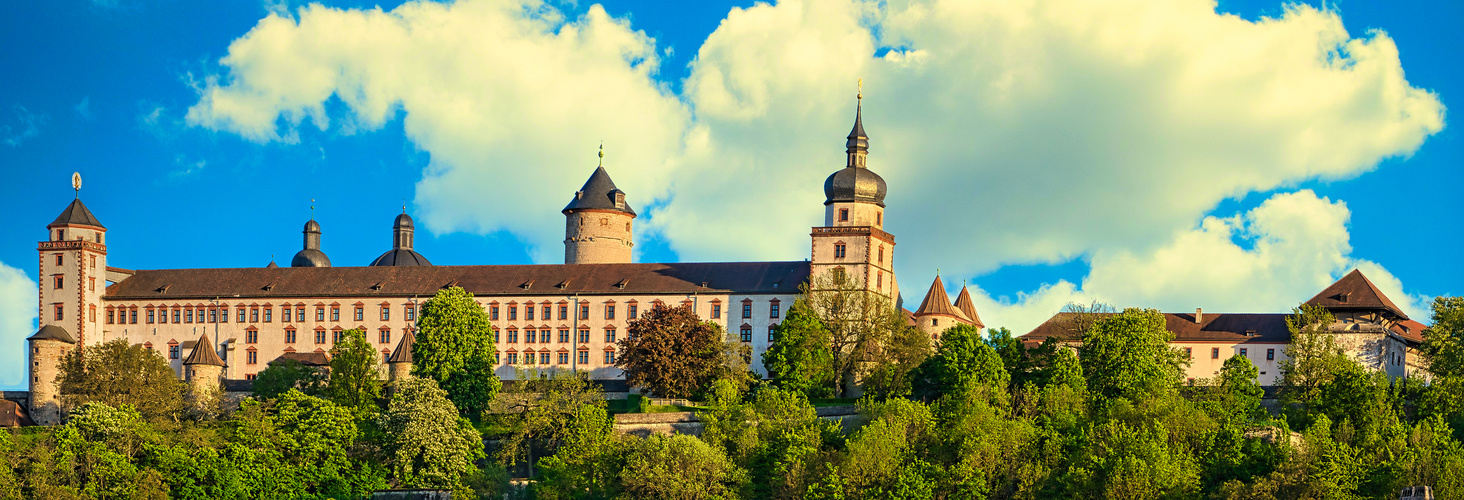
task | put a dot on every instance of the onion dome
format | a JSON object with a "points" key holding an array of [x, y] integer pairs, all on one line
{"points": [[311, 256], [855, 182], [401, 253]]}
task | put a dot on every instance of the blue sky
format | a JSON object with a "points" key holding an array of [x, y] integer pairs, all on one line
{"points": [[1104, 172]]}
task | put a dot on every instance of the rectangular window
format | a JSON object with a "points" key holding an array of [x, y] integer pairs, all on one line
{"points": [[563, 312], [320, 336], [1214, 353], [360, 313], [163, 316], [773, 310], [1242, 351], [493, 313], [253, 315], [881, 256], [385, 313], [285, 314], [110, 316], [59, 281], [319, 314], [177, 316], [411, 313], [513, 336], [528, 313], [386, 336], [879, 280], [529, 358], [289, 336], [609, 357], [58, 259], [610, 311], [544, 312], [1270, 354], [839, 251], [771, 331], [92, 316], [241, 315], [747, 310], [610, 335], [150, 316], [335, 314], [173, 351], [512, 358], [496, 337], [584, 312], [251, 336], [267, 312], [564, 336], [843, 215], [563, 358], [335, 336], [584, 336], [747, 334], [251, 376], [513, 313], [584, 357], [1189, 353], [631, 311], [213, 315], [91, 283], [716, 311], [300, 314], [188, 316], [545, 336]]}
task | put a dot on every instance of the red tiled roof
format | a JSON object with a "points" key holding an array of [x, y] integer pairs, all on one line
{"points": [[963, 302], [1266, 327], [1355, 291], [937, 302], [407, 281], [13, 415], [203, 354], [403, 352], [1410, 330]]}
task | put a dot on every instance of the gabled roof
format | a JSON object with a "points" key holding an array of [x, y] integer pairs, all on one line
{"points": [[1410, 330], [1223, 327], [403, 353], [1355, 291], [304, 358], [963, 302], [53, 332], [203, 354], [76, 214], [597, 193], [937, 302]]}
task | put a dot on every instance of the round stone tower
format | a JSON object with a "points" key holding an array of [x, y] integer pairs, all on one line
{"points": [[598, 222], [399, 365], [203, 369], [47, 347]]}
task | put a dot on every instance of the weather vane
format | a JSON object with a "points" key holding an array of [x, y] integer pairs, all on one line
{"points": [[860, 95], [76, 183], [602, 153]]}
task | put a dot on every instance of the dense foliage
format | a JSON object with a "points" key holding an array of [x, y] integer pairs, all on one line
{"points": [[455, 348], [670, 351], [120, 373]]}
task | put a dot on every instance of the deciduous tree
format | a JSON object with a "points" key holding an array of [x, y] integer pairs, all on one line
{"points": [[799, 358], [1127, 355], [284, 374], [355, 372], [455, 348], [118, 373], [427, 442], [670, 351], [859, 321]]}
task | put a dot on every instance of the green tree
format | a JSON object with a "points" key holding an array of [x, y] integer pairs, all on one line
{"points": [[670, 351], [355, 372], [858, 321], [893, 371], [1443, 341], [678, 467], [799, 358], [118, 373], [589, 460], [284, 374], [428, 444], [1127, 355], [964, 365], [455, 348], [1313, 358], [538, 413]]}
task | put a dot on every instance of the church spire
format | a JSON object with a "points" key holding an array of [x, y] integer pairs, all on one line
{"points": [[857, 147]]}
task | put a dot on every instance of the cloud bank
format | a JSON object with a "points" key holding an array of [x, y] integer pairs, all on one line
{"points": [[17, 321], [1009, 131]]}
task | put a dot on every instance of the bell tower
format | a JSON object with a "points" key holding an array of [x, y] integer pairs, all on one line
{"points": [[853, 237], [73, 271]]}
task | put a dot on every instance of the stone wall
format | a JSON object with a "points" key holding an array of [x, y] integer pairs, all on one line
{"points": [[645, 424]]}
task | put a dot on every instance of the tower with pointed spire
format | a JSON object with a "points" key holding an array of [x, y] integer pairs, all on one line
{"points": [[598, 222], [73, 270], [853, 236], [311, 256]]}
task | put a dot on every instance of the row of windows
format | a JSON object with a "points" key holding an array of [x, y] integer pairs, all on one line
{"points": [[545, 311], [746, 333], [252, 314], [543, 358], [1215, 353]]}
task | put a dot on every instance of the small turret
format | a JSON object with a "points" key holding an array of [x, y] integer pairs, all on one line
{"points": [[400, 362], [401, 253], [47, 348], [203, 369], [598, 222], [311, 256]]}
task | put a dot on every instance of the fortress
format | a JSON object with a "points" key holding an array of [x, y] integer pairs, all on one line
{"points": [[228, 324]]}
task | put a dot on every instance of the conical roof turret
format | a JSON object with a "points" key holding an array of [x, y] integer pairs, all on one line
{"points": [[76, 214], [964, 304], [403, 352], [203, 354], [937, 302]]}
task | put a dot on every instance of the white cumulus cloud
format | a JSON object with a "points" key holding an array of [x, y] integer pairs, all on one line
{"points": [[17, 321]]}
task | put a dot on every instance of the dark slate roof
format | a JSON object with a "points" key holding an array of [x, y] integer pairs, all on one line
{"points": [[203, 353], [304, 358], [963, 302], [231, 385], [598, 193], [1355, 291], [857, 138], [937, 302], [76, 214], [403, 352], [401, 257], [855, 184], [403, 221], [1213, 327], [425, 281], [310, 257], [53, 332]]}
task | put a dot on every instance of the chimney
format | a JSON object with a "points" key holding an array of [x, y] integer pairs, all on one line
{"points": [[1199, 315]]}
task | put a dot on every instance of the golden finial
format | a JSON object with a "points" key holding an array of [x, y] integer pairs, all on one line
{"points": [[76, 183], [602, 153], [860, 95]]}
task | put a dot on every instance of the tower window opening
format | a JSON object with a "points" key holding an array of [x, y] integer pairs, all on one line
{"points": [[843, 215], [58, 258], [879, 218], [839, 251]]}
